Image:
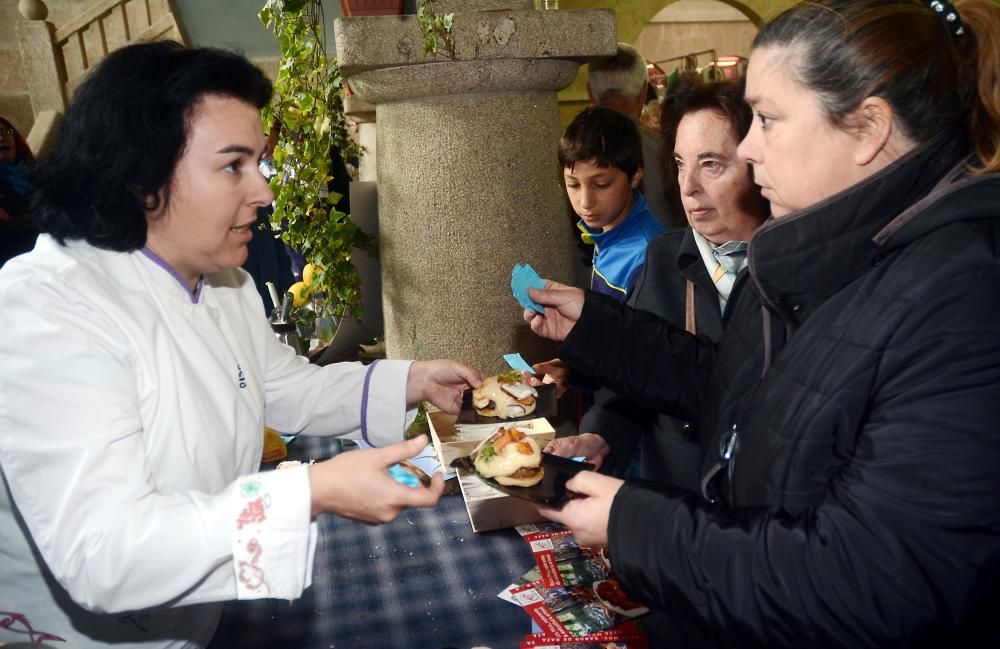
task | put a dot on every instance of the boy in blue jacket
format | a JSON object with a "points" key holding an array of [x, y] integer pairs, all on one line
{"points": [[601, 156]]}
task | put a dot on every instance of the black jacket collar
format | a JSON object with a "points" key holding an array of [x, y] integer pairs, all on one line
{"points": [[801, 259], [689, 261]]}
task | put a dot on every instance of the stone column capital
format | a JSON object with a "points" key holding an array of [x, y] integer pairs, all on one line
{"points": [[382, 57], [518, 76], [375, 42]]}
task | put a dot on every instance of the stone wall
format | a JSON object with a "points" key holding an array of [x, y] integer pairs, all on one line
{"points": [[15, 105]]}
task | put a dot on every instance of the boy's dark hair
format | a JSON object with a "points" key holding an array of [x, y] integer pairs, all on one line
{"points": [[605, 136], [123, 134]]}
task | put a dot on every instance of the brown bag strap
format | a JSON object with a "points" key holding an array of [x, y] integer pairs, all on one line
{"points": [[689, 324]]}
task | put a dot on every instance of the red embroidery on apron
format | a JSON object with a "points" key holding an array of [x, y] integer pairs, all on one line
{"points": [[252, 576], [252, 513], [9, 620]]}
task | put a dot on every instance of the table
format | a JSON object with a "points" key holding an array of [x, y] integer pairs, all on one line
{"points": [[424, 580]]}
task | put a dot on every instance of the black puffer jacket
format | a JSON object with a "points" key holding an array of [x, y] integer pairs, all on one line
{"points": [[860, 372], [669, 452]]}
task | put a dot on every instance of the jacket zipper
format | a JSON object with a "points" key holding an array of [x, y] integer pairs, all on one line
{"points": [[729, 445]]}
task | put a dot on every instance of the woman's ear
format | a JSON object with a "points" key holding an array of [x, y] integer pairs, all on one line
{"points": [[874, 124], [636, 178], [152, 204]]}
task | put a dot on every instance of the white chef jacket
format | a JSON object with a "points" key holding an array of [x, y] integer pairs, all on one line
{"points": [[131, 419]]}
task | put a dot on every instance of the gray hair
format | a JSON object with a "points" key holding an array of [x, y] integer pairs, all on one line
{"points": [[623, 74]]}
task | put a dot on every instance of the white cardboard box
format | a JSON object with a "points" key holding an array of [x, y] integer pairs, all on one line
{"points": [[488, 508]]}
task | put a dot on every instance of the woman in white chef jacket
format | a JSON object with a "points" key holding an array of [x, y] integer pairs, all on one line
{"points": [[138, 375]]}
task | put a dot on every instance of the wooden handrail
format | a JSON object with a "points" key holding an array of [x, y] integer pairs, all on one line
{"points": [[51, 84], [94, 12]]}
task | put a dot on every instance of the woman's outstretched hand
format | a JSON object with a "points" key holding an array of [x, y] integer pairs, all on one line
{"points": [[441, 382], [563, 305], [588, 515], [554, 371], [590, 446], [357, 484]]}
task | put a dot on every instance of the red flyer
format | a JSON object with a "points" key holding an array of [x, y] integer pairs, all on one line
{"points": [[624, 636]]}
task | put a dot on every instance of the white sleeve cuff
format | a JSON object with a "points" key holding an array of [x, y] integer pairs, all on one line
{"points": [[274, 542], [383, 402]]}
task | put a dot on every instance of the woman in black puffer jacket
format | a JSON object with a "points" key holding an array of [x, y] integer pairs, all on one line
{"points": [[851, 489]]}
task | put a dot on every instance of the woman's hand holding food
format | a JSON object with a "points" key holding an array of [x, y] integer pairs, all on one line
{"points": [[357, 484], [587, 445], [554, 371], [441, 382], [588, 516], [563, 305]]}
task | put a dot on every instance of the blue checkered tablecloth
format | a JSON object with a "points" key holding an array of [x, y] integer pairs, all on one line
{"points": [[425, 580]]}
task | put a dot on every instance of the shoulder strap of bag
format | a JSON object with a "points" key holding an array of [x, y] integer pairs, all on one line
{"points": [[689, 323]]}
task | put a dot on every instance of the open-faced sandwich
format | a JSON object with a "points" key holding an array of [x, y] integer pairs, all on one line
{"points": [[511, 458], [504, 396]]}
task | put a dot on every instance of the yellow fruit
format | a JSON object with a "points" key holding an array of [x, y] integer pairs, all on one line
{"points": [[300, 293], [307, 274]]}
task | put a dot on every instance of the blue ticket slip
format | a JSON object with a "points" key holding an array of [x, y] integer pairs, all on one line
{"points": [[516, 362], [403, 477], [522, 278]]}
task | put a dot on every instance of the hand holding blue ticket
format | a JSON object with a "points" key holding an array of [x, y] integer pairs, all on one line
{"points": [[522, 278], [518, 363], [403, 477]]}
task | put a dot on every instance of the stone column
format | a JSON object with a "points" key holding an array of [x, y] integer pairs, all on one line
{"points": [[44, 69], [468, 179]]}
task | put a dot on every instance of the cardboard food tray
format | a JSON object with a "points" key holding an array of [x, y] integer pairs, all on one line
{"points": [[488, 508]]}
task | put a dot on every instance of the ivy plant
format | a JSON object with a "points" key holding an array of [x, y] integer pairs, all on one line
{"points": [[436, 29], [308, 109]]}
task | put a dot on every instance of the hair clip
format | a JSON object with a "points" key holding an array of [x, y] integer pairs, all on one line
{"points": [[950, 15]]}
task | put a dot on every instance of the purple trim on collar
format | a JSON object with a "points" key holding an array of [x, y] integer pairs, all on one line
{"points": [[162, 263], [364, 403]]}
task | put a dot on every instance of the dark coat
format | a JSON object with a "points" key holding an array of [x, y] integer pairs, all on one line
{"points": [[670, 452], [860, 371], [18, 231]]}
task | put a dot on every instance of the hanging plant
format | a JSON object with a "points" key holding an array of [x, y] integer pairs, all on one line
{"points": [[436, 29], [308, 109]]}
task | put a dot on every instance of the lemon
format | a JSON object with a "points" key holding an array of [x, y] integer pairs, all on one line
{"points": [[308, 273], [300, 293]]}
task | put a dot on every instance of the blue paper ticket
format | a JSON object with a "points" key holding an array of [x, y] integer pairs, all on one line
{"points": [[403, 477], [522, 278], [516, 362]]}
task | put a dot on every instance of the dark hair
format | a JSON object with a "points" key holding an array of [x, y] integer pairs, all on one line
{"points": [[123, 134], [605, 136], [904, 52], [22, 152], [690, 95]]}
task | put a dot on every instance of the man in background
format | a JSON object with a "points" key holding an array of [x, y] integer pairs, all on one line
{"points": [[620, 82]]}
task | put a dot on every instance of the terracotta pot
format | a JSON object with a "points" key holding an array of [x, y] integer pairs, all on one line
{"points": [[371, 7]]}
